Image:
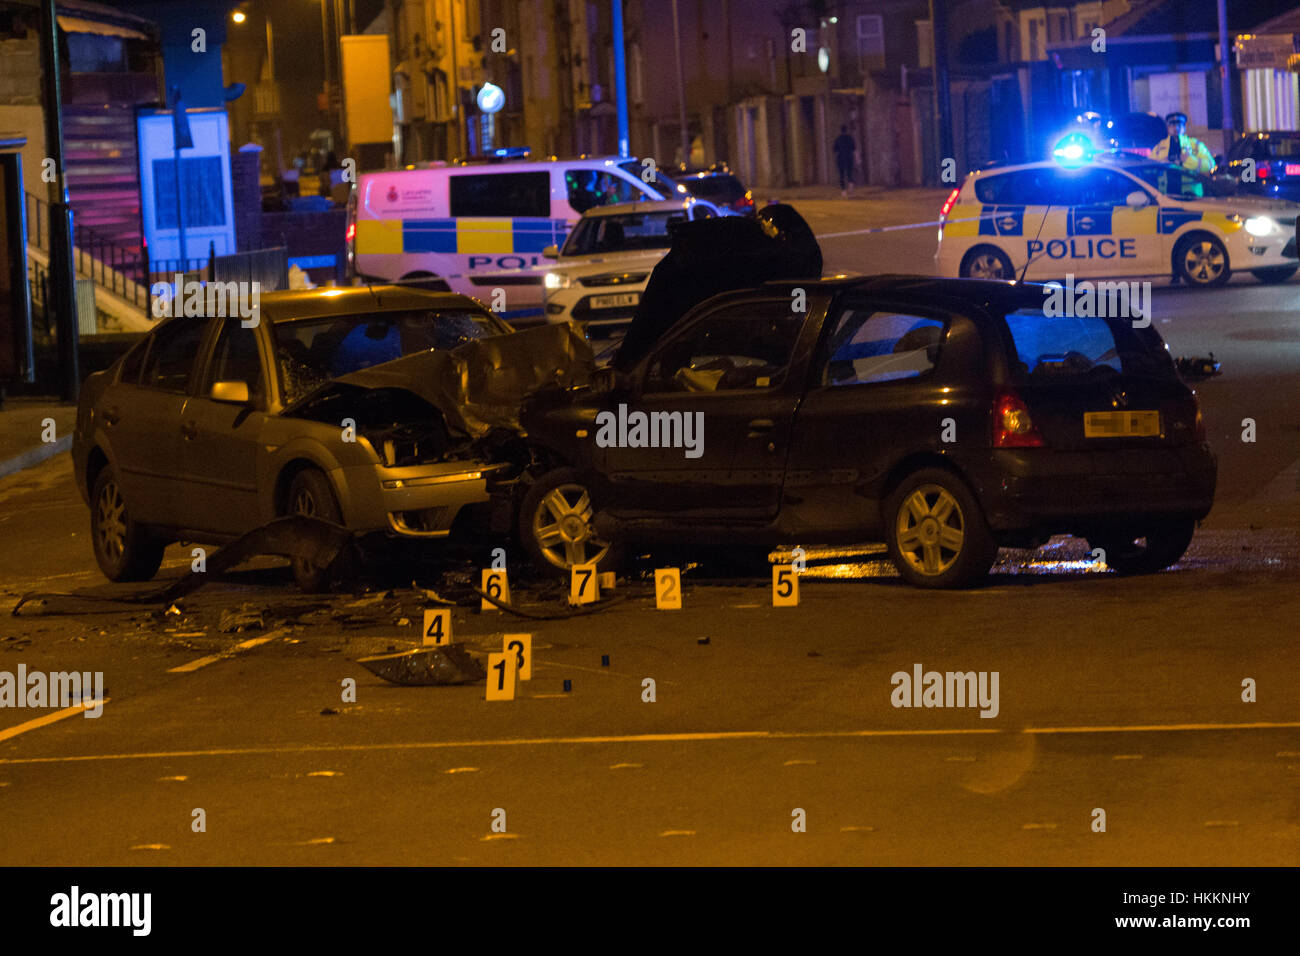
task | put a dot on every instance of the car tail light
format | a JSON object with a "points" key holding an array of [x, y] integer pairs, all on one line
{"points": [[351, 233], [1263, 171], [1012, 426], [949, 202]]}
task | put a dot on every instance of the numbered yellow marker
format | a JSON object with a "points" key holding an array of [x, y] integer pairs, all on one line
{"points": [[501, 672], [437, 627], [785, 586], [495, 584], [607, 580], [521, 646], [668, 589], [584, 584]]}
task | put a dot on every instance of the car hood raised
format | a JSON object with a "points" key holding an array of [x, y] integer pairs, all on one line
{"points": [[480, 385]]}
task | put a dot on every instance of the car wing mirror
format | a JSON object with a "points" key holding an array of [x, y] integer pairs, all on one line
{"points": [[551, 252], [611, 380], [1137, 199], [233, 393]]}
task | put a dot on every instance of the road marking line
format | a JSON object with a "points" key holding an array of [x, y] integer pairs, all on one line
{"points": [[857, 829], [151, 846], [668, 833], [799, 763], [626, 766], [213, 658], [1127, 757], [463, 770], [700, 737], [1146, 728], [58, 715], [500, 836]]}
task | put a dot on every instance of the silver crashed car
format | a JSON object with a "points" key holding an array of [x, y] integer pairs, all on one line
{"points": [[365, 406]]}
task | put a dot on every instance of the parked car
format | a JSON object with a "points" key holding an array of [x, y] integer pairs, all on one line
{"points": [[602, 268], [946, 417], [1275, 157], [361, 406]]}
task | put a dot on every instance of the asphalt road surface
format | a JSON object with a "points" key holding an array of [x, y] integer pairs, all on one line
{"points": [[1114, 695]]}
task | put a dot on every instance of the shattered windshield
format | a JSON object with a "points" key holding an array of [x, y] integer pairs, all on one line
{"points": [[311, 352]]}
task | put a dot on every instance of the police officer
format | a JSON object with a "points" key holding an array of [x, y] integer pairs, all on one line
{"points": [[1183, 150]]}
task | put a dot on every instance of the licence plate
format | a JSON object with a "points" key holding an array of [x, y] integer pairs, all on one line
{"points": [[616, 301], [1121, 424], [1293, 169]]}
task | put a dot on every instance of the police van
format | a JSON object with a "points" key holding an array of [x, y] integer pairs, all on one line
{"points": [[1111, 215], [475, 228]]}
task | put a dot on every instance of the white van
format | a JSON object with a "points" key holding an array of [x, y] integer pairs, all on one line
{"points": [[474, 228]]}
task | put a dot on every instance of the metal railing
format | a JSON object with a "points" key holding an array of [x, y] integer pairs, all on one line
{"points": [[130, 274]]}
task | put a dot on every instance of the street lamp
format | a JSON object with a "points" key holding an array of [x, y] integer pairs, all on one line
{"points": [[238, 16]]}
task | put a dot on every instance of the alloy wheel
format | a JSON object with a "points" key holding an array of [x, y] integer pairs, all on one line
{"points": [[1203, 261], [562, 527], [111, 521], [986, 266], [930, 530]]}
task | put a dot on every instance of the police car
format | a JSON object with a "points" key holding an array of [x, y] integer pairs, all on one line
{"points": [[1111, 215], [604, 265], [474, 229]]}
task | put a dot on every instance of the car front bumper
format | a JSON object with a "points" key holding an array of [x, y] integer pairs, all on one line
{"points": [[420, 501]]}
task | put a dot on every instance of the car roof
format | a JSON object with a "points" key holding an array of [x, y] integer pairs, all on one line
{"points": [[291, 305], [994, 295]]}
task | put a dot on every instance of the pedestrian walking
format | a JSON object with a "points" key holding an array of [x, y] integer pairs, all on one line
{"points": [[844, 148]]}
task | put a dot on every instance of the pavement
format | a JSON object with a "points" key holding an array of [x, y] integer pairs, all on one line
{"points": [[32, 430]]}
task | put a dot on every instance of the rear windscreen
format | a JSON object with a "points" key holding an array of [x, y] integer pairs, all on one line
{"points": [[726, 189], [1050, 347]]}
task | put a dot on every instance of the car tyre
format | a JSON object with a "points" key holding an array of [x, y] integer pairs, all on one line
{"points": [[124, 549], [986, 262], [1164, 545], [310, 494], [1201, 260], [936, 531], [556, 525], [1274, 274]]}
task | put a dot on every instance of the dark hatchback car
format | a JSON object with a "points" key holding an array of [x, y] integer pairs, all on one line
{"points": [[947, 417], [1275, 156]]}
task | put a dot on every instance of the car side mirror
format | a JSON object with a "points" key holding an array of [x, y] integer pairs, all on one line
{"points": [[551, 252], [233, 393], [1137, 199], [611, 380]]}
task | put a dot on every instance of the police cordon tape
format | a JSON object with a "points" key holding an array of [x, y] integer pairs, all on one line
{"points": [[828, 235]]}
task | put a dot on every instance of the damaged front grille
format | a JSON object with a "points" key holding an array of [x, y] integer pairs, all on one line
{"points": [[402, 427]]}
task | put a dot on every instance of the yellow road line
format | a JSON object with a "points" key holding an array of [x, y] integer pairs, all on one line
{"points": [[213, 658], [58, 715], [700, 737]]}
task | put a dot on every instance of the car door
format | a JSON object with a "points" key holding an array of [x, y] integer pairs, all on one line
{"points": [[1118, 239], [870, 398], [733, 370], [219, 440], [142, 419]]}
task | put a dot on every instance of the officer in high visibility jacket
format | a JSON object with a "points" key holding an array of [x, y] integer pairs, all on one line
{"points": [[1183, 150]]}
